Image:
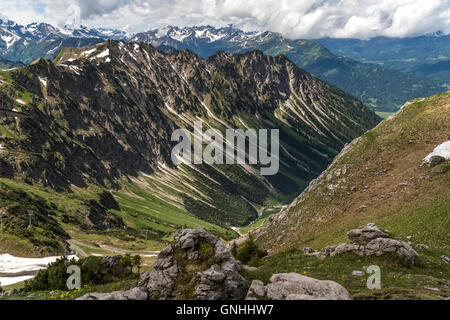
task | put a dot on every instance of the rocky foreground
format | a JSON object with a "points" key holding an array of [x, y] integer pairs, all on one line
{"points": [[200, 266]]}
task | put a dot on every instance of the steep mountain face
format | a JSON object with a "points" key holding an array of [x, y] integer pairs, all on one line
{"points": [[380, 177], [28, 43], [379, 88], [101, 119], [403, 54]]}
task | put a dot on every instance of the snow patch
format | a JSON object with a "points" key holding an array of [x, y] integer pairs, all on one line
{"points": [[15, 267], [43, 81], [442, 150], [103, 54], [88, 52]]}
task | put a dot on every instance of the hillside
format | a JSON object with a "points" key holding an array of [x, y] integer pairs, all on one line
{"points": [[377, 178], [94, 156], [436, 71], [380, 88]]}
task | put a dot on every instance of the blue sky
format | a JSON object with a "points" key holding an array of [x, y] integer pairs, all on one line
{"points": [[293, 18]]}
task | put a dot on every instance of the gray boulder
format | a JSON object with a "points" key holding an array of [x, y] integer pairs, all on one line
{"points": [[257, 290], [114, 266], [435, 160], [220, 280], [161, 280], [294, 286], [366, 233], [133, 294], [376, 247], [382, 246]]}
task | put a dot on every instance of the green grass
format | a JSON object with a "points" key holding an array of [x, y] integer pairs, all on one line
{"points": [[91, 251], [148, 211], [383, 183], [125, 284], [384, 115]]}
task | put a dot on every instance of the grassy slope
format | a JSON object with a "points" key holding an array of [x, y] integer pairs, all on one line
{"points": [[384, 115], [420, 209], [383, 173]]}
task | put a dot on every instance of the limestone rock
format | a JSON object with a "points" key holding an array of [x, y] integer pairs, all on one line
{"points": [[257, 290], [222, 280], [294, 286], [133, 294], [381, 246], [376, 247], [366, 233]]}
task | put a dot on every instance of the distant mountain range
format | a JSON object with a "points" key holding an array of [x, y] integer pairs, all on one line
{"points": [[380, 88], [28, 43], [426, 55]]}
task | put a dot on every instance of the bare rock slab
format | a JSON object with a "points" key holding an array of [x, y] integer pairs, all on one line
{"points": [[366, 233], [294, 286], [133, 294]]}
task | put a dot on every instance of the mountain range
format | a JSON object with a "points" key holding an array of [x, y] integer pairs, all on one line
{"points": [[94, 153], [380, 88], [426, 56]]}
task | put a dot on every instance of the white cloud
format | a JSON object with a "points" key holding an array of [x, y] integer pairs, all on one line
{"points": [[292, 18]]}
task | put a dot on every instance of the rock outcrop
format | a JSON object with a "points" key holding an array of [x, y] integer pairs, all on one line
{"points": [[294, 286], [133, 294], [366, 233], [115, 266], [378, 244], [215, 272], [197, 266]]}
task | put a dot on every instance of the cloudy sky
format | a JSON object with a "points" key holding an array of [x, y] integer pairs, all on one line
{"points": [[293, 18]]}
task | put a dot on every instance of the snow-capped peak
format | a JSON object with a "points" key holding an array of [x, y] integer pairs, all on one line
{"points": [[204, 33]]}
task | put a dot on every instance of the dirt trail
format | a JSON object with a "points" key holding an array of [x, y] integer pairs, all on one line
{"points": [[74, 245], [77, 249]]}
